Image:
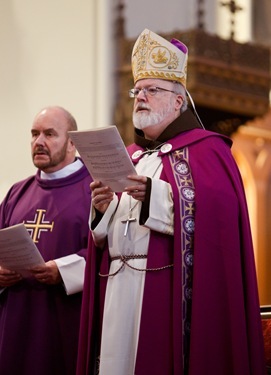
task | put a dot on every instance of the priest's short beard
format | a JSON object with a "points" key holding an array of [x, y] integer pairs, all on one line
{"points": [[55, 158]]}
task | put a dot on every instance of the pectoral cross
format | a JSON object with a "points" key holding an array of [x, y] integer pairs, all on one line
{"points": [[127, 223]]}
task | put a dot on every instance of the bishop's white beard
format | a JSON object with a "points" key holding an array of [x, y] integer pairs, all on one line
{"points": [[142, 120]]}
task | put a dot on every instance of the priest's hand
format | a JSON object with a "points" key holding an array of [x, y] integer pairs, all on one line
{"points": [[8, 277], [101, 196], [47, 274]]}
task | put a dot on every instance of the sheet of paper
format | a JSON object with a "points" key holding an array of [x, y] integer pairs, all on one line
{"points": [[105, 156], [17, 250]]}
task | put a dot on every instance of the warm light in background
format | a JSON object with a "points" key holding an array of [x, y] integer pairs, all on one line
{"points": [[242, 20]]}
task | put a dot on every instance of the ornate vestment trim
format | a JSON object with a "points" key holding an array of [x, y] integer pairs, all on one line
{"points": [[179, 161]]}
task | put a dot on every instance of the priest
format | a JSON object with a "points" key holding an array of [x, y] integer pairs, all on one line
{"points": [[40, 313]]}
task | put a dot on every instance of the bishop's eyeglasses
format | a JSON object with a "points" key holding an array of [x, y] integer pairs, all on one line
{"points": [[147, 91]]}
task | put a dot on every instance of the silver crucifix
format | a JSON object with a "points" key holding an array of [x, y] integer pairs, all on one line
{"points": [[127, 223]]}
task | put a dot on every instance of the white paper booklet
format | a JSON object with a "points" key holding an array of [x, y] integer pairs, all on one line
{"points": [[17, 250], [105, 156]]}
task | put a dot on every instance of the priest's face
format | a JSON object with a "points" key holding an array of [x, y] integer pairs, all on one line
{"points": [[51, 147]]}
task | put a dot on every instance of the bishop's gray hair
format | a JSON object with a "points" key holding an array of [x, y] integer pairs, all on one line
{"points": [[180, 89]]}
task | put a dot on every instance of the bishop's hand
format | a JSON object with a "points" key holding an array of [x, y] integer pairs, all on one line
{"points": [[101, 196], [138, 189]]}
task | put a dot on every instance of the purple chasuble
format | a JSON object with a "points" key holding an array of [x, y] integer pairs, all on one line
{"points": [[39, 323], [203, 320]]}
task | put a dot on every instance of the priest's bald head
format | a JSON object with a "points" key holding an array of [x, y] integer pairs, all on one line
{"points": [[51, 147]]}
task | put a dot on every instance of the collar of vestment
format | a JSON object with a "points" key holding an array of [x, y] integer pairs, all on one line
{"points": [[186, 121], [73, 178], [64, 172]]}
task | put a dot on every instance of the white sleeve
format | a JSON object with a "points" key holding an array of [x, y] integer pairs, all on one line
{"points": [[100, 231], [161, 218], [72, 271]]}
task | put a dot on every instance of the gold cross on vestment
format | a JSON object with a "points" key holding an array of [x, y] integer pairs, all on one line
{"points": [[38, 225], [178, 154]]}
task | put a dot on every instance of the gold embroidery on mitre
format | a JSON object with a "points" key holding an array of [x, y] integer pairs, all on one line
{"points": [[159, 57], [163, 56], [151, 59]]}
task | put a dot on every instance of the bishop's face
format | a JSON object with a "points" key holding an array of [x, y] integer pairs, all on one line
{"points": [[50, 143], [153, 114]]}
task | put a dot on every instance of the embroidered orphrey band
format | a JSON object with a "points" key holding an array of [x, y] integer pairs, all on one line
{"points": [[183, 177]]}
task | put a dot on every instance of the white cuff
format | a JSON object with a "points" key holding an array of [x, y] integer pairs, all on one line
{"points": [[72, 271], [161, 208], [100, 232]]}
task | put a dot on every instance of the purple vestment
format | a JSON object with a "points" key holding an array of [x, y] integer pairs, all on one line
{"points": [[39, 323], [202, 323]]}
